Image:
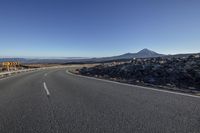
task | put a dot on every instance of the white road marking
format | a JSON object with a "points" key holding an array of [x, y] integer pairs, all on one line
{"points": [[45, 74], [147, 88], [46, 89]]}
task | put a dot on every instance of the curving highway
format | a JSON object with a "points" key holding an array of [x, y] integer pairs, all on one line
{"points": [[55, 101]]}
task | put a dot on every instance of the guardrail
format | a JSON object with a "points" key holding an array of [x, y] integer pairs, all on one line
{"points": [[3, 74]]}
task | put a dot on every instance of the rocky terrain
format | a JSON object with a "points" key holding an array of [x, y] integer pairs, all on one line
{"points": [[181, 74]]}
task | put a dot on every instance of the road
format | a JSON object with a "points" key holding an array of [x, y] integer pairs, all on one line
{"points": [[54, 101]]}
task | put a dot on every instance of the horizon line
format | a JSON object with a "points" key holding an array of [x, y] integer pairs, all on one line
{"points": [[83, 57]]}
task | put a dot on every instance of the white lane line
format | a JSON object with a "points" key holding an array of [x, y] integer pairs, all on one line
{"points": [[46, 89], [45, 74], [147, 88]]}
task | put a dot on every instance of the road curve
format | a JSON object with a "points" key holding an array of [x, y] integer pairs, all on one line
{"points": [[53, 101]]}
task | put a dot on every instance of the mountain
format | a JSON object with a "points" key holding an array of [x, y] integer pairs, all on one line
{"points": [[144, 53]]}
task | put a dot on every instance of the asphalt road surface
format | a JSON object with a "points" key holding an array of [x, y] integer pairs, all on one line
{"points": [[54, 101]]}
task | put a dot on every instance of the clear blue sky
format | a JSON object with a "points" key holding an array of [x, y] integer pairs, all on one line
{"points": [[94, 28]]}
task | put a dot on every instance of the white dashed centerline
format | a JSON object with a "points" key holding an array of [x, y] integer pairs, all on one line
{"points": [[46, 89]]}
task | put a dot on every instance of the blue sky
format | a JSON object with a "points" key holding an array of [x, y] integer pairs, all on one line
{"points": [[96, 28]]}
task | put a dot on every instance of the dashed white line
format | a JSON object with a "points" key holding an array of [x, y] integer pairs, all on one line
{"points": [[45, 74], [46, 89]]}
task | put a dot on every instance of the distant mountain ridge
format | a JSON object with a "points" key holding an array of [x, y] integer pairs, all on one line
{"points": [[144, 53], [12, 59]]}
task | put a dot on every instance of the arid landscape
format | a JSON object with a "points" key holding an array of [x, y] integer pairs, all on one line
{"points": [[178, 74], [99, 66]]}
